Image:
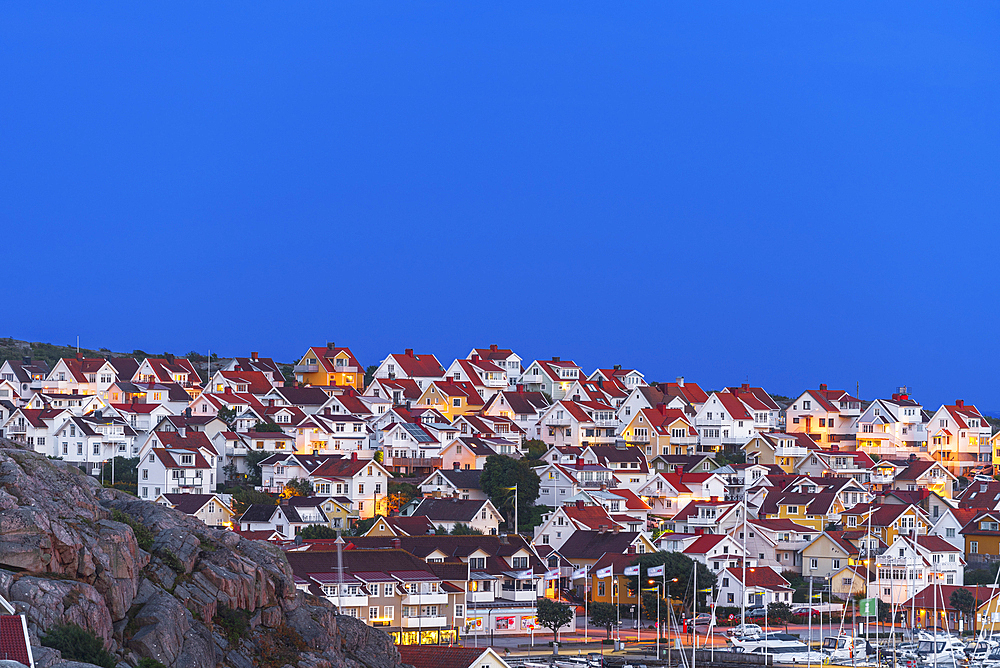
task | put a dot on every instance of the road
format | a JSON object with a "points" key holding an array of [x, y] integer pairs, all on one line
{"points": [[586, 639]]}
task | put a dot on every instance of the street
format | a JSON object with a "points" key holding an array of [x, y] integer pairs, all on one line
{"points": [[588, 639]]}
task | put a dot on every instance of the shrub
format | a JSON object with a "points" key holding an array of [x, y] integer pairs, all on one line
{"points": [[149, 663], [235, 623], [143, 536], [171, 560], [77, 644]]}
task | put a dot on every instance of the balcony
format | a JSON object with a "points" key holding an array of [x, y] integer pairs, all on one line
{"points": [[494, 382], [424, 622], [481, 596], [17, 429], [439, 598], [415, 462], [345, 368], [558, 422], [606, 423], [305, 368], [791, 451], [698, 520], [510, 594], [349, 601], [596, 484]]}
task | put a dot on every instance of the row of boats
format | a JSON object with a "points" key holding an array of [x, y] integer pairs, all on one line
{"points": [[938, 649]]}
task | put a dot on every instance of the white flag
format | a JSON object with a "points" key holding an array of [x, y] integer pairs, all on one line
{"points": [[604, 572], [552, 574], [655, 570], [580, 573], [631, 570]]}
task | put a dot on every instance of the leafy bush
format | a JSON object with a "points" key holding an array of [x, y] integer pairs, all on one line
{"points": [[149, 663], [77, 644], [235, 623], [171, 560], [143, 536], [314, 531]]}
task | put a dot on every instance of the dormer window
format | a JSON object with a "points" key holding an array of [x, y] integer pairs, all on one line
{"points": [[187, 460]]}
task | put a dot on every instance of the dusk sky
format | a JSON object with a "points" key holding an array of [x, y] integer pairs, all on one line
{"points": [[789, 193]]}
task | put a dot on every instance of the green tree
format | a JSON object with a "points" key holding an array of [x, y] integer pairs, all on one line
{"points": [[244, 497], [253, 460], [370, 374], [296, 487], [963, 601], [605, 615], [317, 531], [227, 415], [361, 527], [267, 427], [535, 447], [499, 475], [400, 494], [379, 457], [465, 530], [779, 611], [553, 615], [77, 644], [231, 473], [678, 566]]}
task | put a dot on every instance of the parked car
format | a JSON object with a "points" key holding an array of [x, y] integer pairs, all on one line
{"points": [[744, 630], [701, 623]]}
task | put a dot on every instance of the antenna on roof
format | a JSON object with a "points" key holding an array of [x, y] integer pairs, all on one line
{"points": [[77, 344]]}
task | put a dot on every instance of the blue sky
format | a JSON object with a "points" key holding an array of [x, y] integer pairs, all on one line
{"points": [[792, 194]]}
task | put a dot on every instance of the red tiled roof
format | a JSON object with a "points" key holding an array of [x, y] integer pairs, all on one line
{"points": [[935, 544], [421, 366], [13, 639], [705, 543], [439, 656], [632, 502], [760, 576]]}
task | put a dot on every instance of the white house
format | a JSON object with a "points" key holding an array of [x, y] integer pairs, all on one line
{"points": [[892, 428], [763, 586], [828, 416], [552, 377], [421, 369], [932, 559]]}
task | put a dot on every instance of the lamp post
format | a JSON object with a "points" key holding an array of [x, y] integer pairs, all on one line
{"points": [[670, 610]]}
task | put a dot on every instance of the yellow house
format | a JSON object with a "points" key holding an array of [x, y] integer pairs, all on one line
{"points": [[338, 515], [995, 447], [653, 428], [330, 366], [982, 535], [815, 511], [775, 449], [451, 398], [828, 555], [887, 520]]}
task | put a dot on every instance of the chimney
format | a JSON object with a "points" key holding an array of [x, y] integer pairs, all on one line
{"points": [[679, 469], [555, 359], [354, 456], [662, 408], [79, 356], [959, 403], [579, 463], [408, 352], [520, 388], [26, 360], [602, 529], [822, 387], [182, 430], [579, 504], [715, 499], [169, 357], [600, 383], [745, 387], [329, 344], [896, 396], [618, 367], [270, 402], [253, 356], [475, 358], [493, 347], [396, 543], [455, 466]]}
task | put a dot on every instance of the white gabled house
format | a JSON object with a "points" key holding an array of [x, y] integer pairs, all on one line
{"points": [[552, 377]]}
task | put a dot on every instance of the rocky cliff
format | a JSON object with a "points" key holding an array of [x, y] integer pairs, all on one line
{"points": [[189, 596]]}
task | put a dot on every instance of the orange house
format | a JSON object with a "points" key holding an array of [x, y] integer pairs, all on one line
{"points": [[330, 366]]}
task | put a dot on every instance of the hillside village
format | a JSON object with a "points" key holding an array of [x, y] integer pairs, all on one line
{"points": [[882, 497]]}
